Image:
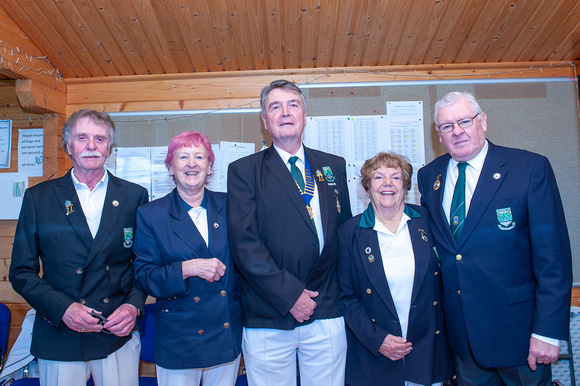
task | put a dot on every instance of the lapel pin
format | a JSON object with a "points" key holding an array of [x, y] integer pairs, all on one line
{"points": [[371, 258], [496, 176], [319, 175], [368, 250], [423, 235], [437, 183], [216, 225], [115, 203], [68, 206]]}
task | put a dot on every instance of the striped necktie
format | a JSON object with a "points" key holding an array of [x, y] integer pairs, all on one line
{"points": [[457, 214]]}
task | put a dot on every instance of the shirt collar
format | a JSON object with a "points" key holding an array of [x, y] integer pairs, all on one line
{"points": [[477, 161], [189, 207], [286, 156], [104, 180], [367, 219]]}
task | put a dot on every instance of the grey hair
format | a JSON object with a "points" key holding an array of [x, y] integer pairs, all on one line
{"points": [[283, 84], [454, 97], [99, 118]]}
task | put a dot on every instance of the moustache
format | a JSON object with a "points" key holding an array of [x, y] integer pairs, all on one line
{"points": [[91, 153]]}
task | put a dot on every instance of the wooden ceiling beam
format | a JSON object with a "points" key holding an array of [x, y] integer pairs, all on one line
{"points": [[222, 88], [40, 98]]}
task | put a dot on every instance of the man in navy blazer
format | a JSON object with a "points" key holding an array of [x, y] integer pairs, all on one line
{"points": [[507, 278], [284, 242], [80, 228]]}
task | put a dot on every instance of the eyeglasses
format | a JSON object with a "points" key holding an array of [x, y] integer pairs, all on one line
{"points": [[464, 124]]}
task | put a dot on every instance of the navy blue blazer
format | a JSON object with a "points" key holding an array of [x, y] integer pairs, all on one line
{"points": [[510, 274], [75, 267], [274, 243], [370, 313], [198, 323]]}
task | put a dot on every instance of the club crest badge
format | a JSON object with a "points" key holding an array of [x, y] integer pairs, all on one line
{"points": [[455, 220], [505, 219], [328, 175], [127, 237]]}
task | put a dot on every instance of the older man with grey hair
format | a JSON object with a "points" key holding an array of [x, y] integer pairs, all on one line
{"points": [[502, 240], [80, 229]]}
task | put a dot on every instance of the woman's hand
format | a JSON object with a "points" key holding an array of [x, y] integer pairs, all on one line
{"points": [[208, 269], [395, 347]]}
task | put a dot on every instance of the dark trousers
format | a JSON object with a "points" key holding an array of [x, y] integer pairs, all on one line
{"points": [[470, 373]]}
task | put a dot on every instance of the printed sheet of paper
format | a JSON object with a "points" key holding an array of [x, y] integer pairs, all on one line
{"points": [[30, 152], [161, 181], [328, 134], [134, 164], [213, 179], [5, 143], [12, 187], [405, 124], [229, 152]]}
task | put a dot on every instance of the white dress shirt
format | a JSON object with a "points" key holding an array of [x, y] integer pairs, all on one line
{"points": [[199, 217], [399, 265], [93, 201], [472, 172]]}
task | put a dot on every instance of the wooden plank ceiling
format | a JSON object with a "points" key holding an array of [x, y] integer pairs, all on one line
{"points": [[96, 38]]}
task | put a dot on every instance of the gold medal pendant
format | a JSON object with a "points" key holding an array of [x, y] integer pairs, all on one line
{"points": [[437, 183]]}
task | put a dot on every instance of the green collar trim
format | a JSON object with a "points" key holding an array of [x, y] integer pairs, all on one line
{"points": [[367, 219]]}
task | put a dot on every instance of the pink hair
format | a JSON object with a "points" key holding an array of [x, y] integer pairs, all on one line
{"points": [[189, 139]]}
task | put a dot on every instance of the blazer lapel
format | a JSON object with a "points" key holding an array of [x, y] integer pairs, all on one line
{"points": [[421, 250], [490, 179], [216, 223], [282, 174], [439, 217], [66, 192], [373, 265], [185, 229]]}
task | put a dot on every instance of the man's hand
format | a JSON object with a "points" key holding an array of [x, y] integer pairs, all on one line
{"points": [[122, 320], [395, 347], [304, 306], [542, 352], [78, 318]]}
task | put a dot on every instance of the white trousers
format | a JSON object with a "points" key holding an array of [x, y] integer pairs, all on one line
{"points": [[270, 355], [225, 374], [120, 368]]}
